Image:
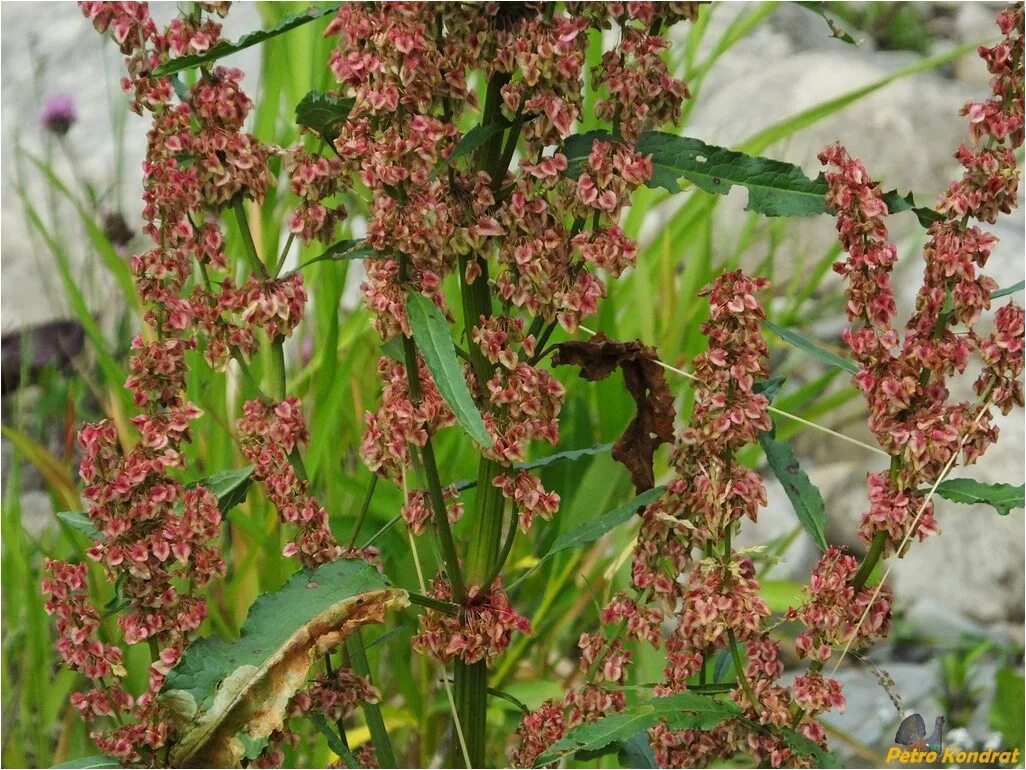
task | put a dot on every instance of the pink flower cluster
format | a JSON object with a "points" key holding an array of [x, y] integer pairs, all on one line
{"points": [[833, 607], [905, 378], [482, 631], [268, 435]]}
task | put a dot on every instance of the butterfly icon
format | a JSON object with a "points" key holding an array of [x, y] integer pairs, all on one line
{"points": [[912, 733]]}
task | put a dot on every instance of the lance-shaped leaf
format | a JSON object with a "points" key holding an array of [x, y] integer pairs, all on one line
{"points": [[225, 48], [96, 761], [220, 689], [568, 455], [775, 188], [80, 522], [592, 530], [1003, 497], [814, 350], [431, 332], [324, 113], [1008, 290], [805, 497], [684, 711]]}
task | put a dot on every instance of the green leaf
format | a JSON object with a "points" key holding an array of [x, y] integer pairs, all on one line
{"points": [[431, 332], [80, 522], [592, 530], [333, 739], [474, 138], [229, 487], [805, 497], [568, 455], [1004, 497], [225, 48], [637, 752], [1006, 711], [684, 711], [830, 359], [324, 113], [351, 248], [807, 748], [775, 188], [220, 688], [1008, 290], [95, 761]]}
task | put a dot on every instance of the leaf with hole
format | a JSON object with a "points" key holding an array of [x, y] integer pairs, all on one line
{"points": [[431, 332], [1003, 497], [805, 497], [219, 689], [226, 48]]}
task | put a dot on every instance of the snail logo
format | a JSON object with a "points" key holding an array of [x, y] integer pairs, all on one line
{"points": [[914, 746]]}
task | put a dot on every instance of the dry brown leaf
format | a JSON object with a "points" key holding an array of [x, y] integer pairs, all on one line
{"points": [[653, 423]]}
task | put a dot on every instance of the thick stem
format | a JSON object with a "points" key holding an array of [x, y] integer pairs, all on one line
{"points": [[371, 711]]}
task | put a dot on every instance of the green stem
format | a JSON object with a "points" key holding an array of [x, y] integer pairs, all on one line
{"points": [[371, 711], [735, 653], [363, 510], [870, 562], [255, 264]]}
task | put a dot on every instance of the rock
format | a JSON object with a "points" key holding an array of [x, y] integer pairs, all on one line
{"points": [[934, 621], [37, 515]]}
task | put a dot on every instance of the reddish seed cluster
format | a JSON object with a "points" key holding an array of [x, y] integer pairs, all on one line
{"points": [[417, 512], [268, 434], [905, 378], [399, 423], [481, 632], [833, 608]]}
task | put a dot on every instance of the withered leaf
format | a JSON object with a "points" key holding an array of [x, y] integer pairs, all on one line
{"points": [[226, 696], [653, 423]]}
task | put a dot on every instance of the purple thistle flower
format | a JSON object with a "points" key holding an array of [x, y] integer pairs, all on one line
{"points": [[58, 114]]}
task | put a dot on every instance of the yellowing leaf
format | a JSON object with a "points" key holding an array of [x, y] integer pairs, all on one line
{"points": [[223, 693]]}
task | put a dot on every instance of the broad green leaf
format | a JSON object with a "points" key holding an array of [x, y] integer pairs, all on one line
{"points": [[801, 745], [220, 688], [805, 497], [225, 48], [229, 487], [775, 188], [569, 455], [324, 113], [85, 762], [1006, 711], [802, 343], [431, 332], [1004, 497], [80, 522], [1009, 290], [684, 711]]}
